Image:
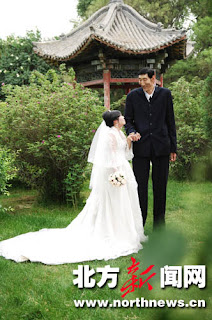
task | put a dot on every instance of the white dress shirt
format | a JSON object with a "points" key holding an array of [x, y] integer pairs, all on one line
{"points": [[148, 96]]}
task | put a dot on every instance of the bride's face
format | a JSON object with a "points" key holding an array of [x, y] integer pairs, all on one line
{"points": [[121, 121]]}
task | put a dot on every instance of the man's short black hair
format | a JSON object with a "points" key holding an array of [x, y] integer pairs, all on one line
{"points": [[148, 71]]}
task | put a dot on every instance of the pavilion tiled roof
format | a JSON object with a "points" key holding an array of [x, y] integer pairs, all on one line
{"points": [[118, 26]]}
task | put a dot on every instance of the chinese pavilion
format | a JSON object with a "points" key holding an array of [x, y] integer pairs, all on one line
{"points": [[109, 48]]}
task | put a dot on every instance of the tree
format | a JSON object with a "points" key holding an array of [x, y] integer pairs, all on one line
{"points": [[202, 34], [50, 124], [18, 60], [200, 8], [82, 6], [198, 65]]}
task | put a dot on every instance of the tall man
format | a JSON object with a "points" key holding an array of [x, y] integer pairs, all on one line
{"points": [[150, 120]]}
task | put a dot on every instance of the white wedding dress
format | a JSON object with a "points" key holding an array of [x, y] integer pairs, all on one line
{"points": [[109, 226]]}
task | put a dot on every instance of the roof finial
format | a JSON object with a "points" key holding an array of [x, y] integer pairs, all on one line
{"points": [[113, 1]]}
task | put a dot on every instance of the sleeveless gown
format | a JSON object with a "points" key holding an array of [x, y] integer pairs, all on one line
{"points": [[109, 226]]}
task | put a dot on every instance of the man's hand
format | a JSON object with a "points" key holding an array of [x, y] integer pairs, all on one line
{"points": [[135, 136], [173, 156]]}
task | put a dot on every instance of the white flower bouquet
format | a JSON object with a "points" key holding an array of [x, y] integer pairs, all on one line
{"points": [[117, 179]]}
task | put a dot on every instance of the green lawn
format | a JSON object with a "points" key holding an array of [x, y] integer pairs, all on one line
{"points": [[36, 291]]}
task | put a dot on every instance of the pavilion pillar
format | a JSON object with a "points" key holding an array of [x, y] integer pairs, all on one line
{"points": [[127, 89], [106, 79]]}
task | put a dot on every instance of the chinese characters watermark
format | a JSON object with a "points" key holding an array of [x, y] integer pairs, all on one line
{"points": [[175, 276], [130, 284], [172, 276], [84, 276]]}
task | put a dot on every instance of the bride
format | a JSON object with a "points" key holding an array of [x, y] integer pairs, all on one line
{"points": [[109, 226]]}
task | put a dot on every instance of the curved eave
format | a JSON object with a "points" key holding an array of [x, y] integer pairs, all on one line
{"points": [[65, 58], [131, 51], [112, 45]]}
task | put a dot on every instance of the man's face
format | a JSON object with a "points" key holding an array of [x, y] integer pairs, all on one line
{"points": [[146, 82]]}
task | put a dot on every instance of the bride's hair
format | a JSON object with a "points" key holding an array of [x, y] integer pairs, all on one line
{"points": [[110, 116]]}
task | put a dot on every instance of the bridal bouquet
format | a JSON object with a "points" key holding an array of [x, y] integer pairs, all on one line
{"points": [[117, 179]]}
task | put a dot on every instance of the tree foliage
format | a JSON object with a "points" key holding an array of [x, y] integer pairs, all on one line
{"points": [[202, 34], [50, 124], [200, 8], [82, 6], [199, 65], [18, 60], [191, 130], [207, 102]]}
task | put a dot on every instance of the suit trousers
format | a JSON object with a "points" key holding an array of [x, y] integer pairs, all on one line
{"points": [[160, 170]]}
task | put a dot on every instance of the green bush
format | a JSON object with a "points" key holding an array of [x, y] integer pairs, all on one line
{"points": [[190, 124], [7, 173], [7, 169], [50, 123], [207, 102]]}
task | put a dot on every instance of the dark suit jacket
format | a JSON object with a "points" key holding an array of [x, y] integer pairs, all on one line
{"points": [[153, 120]]}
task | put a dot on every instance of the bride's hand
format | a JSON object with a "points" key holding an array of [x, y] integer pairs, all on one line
{"points": [[129, 140]]}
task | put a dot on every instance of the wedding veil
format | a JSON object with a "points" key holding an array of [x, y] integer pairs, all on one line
{"points": [[105, 155], [98, 154]]}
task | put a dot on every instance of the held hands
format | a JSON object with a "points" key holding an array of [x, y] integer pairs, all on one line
{"points": [[134, 136]]}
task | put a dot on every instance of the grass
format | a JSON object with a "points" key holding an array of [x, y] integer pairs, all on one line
{"points": [[36, 291]]}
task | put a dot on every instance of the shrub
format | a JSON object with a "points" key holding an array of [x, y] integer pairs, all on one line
{"points": [[7, 173], [51, 124], [7, 169], [207, 102], [191, 131]]}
